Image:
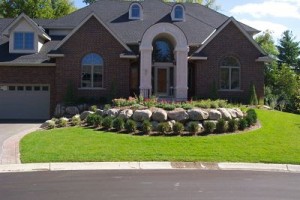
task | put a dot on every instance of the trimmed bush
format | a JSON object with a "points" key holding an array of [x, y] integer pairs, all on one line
{"points": [[164, 128], [97, 120], [251, 117], [51, 124], [62, 122], [130, 126], [221, 126], [243, 124], [146, 127], [107, 122], [193, 127], [93, 108], [118, 124], [76, 121], [233, 125], [209, 127], [90, 120], [178, 128]]}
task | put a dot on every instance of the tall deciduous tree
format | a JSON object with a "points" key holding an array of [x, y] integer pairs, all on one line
{"points": [[36, 8], [289, 50]]}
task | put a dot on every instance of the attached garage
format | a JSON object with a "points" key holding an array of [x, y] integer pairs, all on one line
{"points": [[24, 102]]}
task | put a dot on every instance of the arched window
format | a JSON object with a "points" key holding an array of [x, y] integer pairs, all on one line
{"points": [[162, 51], [92, 71], [135, 11], [178, 13], [230, 77]]}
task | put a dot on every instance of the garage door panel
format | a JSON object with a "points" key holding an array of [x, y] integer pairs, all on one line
{"points": [[24, 104]]}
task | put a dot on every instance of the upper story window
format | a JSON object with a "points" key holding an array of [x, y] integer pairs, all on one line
{"points": [[135, 11], [230, 76], [92, 71], [178, 13], [23, 40]]}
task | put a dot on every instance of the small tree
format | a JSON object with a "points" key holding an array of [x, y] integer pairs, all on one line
{"points": [[253, 97]]}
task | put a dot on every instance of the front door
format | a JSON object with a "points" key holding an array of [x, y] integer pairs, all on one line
{"points": [[162, 81]]}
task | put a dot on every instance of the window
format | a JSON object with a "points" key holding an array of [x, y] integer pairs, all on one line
{"points": [[23, 41], [162, 51], [178, 13], [92, 71], [135, 11], [230, 74]]}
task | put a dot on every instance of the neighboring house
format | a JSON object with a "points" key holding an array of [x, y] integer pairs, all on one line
{"points": [[174, 51]]}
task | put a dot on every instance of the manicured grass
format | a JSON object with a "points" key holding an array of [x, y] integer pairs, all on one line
{"points": [[278, 141]]}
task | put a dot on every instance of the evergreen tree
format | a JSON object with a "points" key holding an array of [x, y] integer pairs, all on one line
{"points": [[289, 50]]}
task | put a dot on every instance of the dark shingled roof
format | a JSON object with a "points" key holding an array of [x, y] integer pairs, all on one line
{"points": [[199, 23]]}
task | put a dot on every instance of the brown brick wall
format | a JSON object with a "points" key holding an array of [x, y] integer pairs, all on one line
{"points": [[230, 42], [30, 75], [92, 37]]}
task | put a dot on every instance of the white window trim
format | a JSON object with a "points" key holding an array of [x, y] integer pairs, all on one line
{"points": [[12, 43], [92, 77], [174, 18], [230, 70], [130, 12], [24, 41]]}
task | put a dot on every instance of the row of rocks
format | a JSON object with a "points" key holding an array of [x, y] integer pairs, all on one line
{"points": [[179, 114], [62, 110]]}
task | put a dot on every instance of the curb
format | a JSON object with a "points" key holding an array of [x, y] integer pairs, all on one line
{"points": [[85, 166]]}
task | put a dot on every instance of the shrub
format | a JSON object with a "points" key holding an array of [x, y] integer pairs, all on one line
{"points": [[252, 113], [118, 124], [51, 124], [90, 120], [187, 106], [107, 107], [62, 122], [76, 121], [233, 125], [146, 127], [93, 108], [164, 128], [243, 124], [97, 120], [221, 126], [209, 127], [193, 127], [107, 122], [178, 128], [130, 126]]}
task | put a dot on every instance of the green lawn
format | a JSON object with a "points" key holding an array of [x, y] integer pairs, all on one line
{"points": [[278, 141]]}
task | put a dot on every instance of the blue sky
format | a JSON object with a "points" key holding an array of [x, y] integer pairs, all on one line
{"points": [[275, 15]]}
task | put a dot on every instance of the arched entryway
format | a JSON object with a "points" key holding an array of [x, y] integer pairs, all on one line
{"points": [[164, 54]]}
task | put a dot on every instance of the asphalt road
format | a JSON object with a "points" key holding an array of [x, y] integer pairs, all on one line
{"points": [[8, 129], [143, 184]]}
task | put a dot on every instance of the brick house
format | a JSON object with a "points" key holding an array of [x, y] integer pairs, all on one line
{"points": [[123, 48]]}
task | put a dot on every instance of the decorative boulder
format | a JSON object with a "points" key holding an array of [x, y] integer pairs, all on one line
{"points": [[99, 112], [154, 125], [239, 113], [197, 114], [141, 115], [59, 110], [72, 110], [225, 113], [48, 124], [85, 114], [113, 112], [82, 107], [232, 112], [126, 114], [159, 115], [179, 114], [214, 114]]}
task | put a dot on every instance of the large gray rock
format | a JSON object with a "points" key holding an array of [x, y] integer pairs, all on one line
{"points": [[179, 114], [142, 115], [126, 114], [197, 114], [82, 107], [159, 115], [225, 114], [85, 114], [59, 110], [232, 112], [214, 114], [72, 110], [239, 113], [113, 112], [99, 112]]}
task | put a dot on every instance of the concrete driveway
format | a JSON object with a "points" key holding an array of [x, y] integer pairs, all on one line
{"points": [[8, 129]]}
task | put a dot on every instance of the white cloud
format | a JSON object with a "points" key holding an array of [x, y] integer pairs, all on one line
{"points": [[274, 8], [277, 29]]}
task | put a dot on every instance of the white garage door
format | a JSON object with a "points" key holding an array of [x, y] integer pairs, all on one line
{"points": [[24, 101]]}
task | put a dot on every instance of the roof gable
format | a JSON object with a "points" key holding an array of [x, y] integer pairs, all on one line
{"points": [[82, 23]]}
